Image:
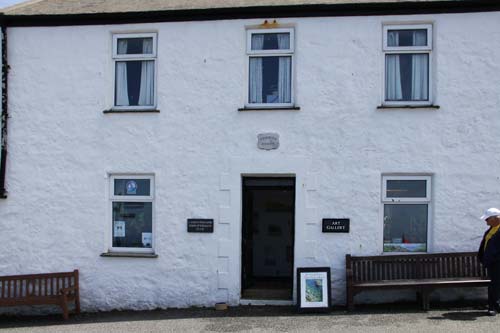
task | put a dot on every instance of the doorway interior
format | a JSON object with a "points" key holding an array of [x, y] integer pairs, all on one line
{"points": [[268, 238]]}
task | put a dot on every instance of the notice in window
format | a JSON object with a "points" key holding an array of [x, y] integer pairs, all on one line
{"points": [[147, 239], [119, 229]]}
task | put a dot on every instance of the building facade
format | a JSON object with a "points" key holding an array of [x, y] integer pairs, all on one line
{"points": [[261, 126]]}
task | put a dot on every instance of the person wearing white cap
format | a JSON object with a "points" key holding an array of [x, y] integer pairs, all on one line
{"points": [[489, 255]]}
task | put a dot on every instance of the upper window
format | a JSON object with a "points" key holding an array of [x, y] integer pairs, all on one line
{"points": [[407, 50], [270, 54], [132, 213], [406, 201], [134, 58]]}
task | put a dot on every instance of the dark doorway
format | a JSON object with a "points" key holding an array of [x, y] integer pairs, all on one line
{"points": [[268, 238]]}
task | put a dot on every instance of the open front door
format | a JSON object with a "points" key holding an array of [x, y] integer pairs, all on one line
{"points": [[268, 238]]}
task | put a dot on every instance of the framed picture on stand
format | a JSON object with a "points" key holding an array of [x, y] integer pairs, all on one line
{"points": [[313, 289]]}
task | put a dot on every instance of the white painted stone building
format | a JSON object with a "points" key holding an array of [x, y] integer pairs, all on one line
{"points": [[125, 120]]}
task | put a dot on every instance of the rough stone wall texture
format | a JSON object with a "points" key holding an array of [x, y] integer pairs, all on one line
{"points": [[62, 147]]}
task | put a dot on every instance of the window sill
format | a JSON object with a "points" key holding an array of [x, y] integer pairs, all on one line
{"points": [[402, 253], [270, 108], [131, 111], [129, 255], [392, 107]]}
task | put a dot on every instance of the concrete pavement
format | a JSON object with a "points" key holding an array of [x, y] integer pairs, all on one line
{"points": [[263, 319]]}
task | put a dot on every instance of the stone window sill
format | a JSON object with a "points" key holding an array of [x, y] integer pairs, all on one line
{"points": [[392, 107], [130, 111], [129, 255], [283, 108]]}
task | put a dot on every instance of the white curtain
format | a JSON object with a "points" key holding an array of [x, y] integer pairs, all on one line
{"points": [[393, 70], [393, 78], [121, 76], [392, 38], [256, 70], [146, 93], [419, 70], [284, 71]]}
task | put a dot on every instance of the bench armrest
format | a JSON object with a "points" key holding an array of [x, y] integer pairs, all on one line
{"points": [[349, 274]]}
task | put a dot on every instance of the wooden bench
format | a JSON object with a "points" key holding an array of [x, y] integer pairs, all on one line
{"points": [[420, 272], [37, 289]]}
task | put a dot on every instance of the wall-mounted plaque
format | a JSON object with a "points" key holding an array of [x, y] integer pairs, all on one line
{"points": [[200, 225], [268, 141], [335, 225]]}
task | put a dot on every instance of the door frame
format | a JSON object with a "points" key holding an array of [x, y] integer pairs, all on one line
{"points": [[228, 233], [293, 227]]}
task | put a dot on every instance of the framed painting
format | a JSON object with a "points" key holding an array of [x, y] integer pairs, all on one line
{"points": [[313, 289]]}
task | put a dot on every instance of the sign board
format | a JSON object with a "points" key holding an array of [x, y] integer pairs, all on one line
{"points": [[335, 225], [268, 141], [200, 225]]}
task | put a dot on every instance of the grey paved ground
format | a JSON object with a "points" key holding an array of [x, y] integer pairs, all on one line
{"points": [[264, 319]]}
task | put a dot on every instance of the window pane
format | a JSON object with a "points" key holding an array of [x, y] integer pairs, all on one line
{"points": [[132, 224], [407, 77], [417, 37], [270, 80], [278, 41], [133, 187], [405, 228], [135, 45], [134, 83], [406, 189]]}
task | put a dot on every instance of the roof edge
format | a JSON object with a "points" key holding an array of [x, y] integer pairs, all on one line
{"points": [[20, 5], [314, 10]]}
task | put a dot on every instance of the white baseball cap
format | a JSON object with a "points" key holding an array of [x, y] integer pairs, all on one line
{"points": [[490, 212]]}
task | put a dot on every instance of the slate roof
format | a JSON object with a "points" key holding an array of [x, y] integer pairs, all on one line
{"points": [[71, 7]]}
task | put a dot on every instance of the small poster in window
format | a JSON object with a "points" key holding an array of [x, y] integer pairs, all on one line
{"points": [[147, 239], [119, 229], [131, 187]]}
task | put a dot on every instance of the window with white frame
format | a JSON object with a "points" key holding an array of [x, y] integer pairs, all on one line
{"points": [[407, 50], [132, 199], [270, 57], [406, 205], [134, 57]]}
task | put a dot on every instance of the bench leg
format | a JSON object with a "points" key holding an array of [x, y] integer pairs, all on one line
{"points": [[77, 302], [350, 300], [425, 299], [64, 306]]}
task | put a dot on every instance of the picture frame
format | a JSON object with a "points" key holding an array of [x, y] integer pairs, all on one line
{"points": [[313, 289]]}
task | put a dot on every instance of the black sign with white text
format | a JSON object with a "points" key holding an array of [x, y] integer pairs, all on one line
{"points": [[335, 225], [200, 225]]}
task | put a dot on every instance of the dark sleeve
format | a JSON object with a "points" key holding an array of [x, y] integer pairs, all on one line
{"points": [[480, 252], [492, 253]]}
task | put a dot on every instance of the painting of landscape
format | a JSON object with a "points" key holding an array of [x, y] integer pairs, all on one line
{"points": [[314, 290]]}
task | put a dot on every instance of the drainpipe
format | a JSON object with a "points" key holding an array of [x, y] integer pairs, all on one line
{"points": [[4, 115]]}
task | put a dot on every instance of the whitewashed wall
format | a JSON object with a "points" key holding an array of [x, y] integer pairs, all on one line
{"points": [[62, 146]]}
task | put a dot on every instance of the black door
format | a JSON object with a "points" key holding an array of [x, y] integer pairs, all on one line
{"points": [[268, 237]]}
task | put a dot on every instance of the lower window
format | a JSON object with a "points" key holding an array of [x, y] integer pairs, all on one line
{"points": [[406, 201], [132, 213], [405, 228], [132, 224]]}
